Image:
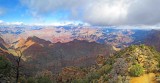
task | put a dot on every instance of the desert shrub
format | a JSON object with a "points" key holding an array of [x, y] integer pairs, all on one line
{"points": [[106, 77], [44, 73], [104, 70], [44, 80], [5, 70], [142, 46], [110, 60], [123, 79], [31, 80], [120, 67], [22, 80], [5, 66], [92, 75], [95, 81], [136, 70], [80, 81]]}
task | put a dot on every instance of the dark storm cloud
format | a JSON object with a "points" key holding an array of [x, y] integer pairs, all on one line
{"points": [[144, 12]]}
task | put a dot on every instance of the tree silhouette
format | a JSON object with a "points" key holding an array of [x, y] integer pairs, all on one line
{"points": [[17, 59]]}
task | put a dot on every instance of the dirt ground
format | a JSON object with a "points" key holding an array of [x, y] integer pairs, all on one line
{"points": [[146, 78]]}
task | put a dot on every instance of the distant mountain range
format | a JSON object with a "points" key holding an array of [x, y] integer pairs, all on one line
{"points": [[115, 37]]}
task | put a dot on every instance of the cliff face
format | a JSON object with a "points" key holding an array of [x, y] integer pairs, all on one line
{"points": [[41, 54], [153, 39], [2, 44]]}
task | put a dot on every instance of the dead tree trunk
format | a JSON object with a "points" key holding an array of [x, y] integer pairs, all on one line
{"points": [[18, 60]]}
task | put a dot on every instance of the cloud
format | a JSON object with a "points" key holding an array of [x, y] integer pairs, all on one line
{"points": [[144, 12], [10, 23], [106, 12], [15, 23], [1, 21], [101, 12]]}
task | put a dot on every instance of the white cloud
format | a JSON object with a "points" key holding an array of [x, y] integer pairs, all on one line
{"points": [[66, 23], [102, 12], [10, 23], [1, 21], [107, 12], [45, 24], [14, 23]]}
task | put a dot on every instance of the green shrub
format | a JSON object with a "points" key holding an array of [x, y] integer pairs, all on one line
{"points": [[44, 80], [136, 70], [80, 81], [93, 75], [22, 80], [105, 77], [5, 66], [31, 80], [104, 70]]}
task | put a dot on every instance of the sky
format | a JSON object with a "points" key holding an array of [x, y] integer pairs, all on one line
{"points": [[92, 12]]}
